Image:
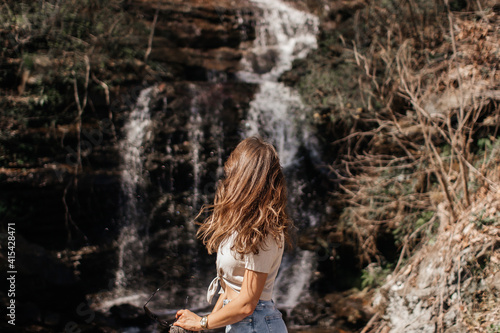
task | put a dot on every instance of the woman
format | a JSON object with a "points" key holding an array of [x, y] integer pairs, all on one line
{"points": [[247, 227]]}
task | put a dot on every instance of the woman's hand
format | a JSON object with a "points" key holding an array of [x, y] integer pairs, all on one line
{"points": [[188, 320]]}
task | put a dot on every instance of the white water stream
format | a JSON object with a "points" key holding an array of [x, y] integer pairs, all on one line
{"points": [[277, 114], [130, 244]]}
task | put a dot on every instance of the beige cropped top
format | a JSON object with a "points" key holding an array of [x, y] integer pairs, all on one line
{"points": [[231, 266]]}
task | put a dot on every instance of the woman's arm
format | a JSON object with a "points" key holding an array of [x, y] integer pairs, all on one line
{"points": [[240, 307], [220, 302]]}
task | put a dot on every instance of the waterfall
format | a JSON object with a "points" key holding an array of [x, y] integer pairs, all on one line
{"points": [[195, 139], [130, 243], [206, 142], [277, 114], [283, 34], [293, 278]]}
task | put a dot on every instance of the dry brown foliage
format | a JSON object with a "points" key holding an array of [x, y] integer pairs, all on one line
{"points": [[429, 170], [436, 74]]}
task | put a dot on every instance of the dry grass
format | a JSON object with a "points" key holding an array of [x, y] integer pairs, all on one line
{"points": [[440, 92], [428, 170]]}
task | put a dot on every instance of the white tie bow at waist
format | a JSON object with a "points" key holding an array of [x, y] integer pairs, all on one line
{"points": [[212, 289]]}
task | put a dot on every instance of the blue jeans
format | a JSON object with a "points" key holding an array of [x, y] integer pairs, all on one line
{"points": [[265, 318]]}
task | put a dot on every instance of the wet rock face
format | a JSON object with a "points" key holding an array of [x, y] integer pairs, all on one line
{"points": [[199, 36], [63, 207], [200, 43]]}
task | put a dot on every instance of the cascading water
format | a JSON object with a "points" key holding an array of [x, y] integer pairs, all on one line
{"points": [[283, 34], [130, 244], [278, 115], [206, 142], [195, 139]]}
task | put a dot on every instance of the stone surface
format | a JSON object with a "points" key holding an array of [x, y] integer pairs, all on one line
{"points": [[177, 329], [202, 34], [70, 212]]}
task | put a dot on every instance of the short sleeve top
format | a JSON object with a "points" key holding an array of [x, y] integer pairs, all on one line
{"points": [[231, 266]]}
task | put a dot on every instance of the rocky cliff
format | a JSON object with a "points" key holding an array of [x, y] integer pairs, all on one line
{"points": [[70, 78]]}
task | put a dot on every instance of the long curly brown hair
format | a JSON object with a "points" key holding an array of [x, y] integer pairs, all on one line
{"points": [[251, 200]]}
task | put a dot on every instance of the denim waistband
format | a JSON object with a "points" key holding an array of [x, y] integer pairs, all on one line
{"points": [[265, 305], [260, 305]]}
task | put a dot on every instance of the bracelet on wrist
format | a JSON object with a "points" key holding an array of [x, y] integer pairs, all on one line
{"points": [[204, 322]]}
